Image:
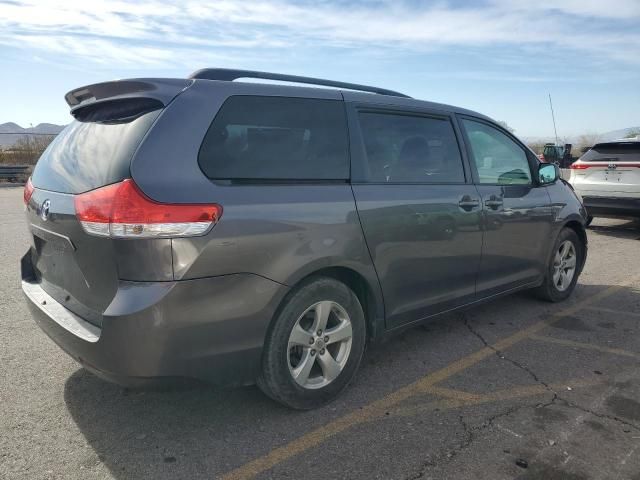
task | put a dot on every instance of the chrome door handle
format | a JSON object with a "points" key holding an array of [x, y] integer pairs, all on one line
{"points": [[468, 203], [493, 202]]}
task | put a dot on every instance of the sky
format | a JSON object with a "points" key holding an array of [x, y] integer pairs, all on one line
{"points": [[499, 57]]}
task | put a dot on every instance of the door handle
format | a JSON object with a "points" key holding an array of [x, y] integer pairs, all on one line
{"points": [[493, 202], [467, 203]]}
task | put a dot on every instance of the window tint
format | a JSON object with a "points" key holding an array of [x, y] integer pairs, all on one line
{"points": [[405, 148], [499, 159], [277, 138], [613, 152], [89, 154], [552, 151]]}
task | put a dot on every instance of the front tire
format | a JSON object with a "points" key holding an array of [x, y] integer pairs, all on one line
{"points": [[564, 267], [314, 347]]}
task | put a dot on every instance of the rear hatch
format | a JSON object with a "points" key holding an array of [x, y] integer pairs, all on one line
{"points": [[81, 270], [608, 169]]}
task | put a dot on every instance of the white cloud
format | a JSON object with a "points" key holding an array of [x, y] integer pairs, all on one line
{"points": [[153, 32], [616, 9]]}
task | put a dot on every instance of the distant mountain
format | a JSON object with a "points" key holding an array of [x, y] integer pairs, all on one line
{"points": [[618, 134], [10, 132], [576, 139]]}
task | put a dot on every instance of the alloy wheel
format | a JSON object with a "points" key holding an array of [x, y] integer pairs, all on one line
{"points": [[319, 344], [564, 265]]}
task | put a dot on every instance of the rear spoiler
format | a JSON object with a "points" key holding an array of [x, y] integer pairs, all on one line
{"points": [[160, 91], [618, 143]]}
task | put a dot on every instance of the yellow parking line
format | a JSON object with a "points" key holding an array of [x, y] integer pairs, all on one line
{"points": [[614, 312], [529, 390], [589, 346], [465, 398], [421, 386], [452, 394]]}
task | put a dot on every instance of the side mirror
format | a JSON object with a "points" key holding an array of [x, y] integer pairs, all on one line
{"points": [[548, 173]]}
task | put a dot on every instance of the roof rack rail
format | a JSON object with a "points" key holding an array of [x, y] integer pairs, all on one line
{"points": [[227, 74]]}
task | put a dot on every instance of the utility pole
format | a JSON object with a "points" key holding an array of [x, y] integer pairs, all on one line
{"points": [[553, 117]]}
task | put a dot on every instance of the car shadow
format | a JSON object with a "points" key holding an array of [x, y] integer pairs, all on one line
{"points": [[165, 433], [202, 432], [617, 228], [198, 431]]}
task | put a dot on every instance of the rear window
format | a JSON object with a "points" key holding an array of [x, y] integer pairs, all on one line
{"points": [[277, 138], [552, 151], [89, 154], [613, 152]]}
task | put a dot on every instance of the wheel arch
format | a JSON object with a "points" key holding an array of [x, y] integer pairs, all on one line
{"points": [[365, 288], [356, 282], [580, 230]]}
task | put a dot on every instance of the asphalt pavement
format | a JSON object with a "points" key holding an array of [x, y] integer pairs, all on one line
{"points": [[517, 388]]}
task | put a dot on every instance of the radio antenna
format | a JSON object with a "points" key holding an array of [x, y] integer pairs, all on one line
{"points": [[553, 117]]}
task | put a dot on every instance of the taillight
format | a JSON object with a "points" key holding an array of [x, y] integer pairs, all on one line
{"points": [[580, 166], [121, 210], [28, 191]]}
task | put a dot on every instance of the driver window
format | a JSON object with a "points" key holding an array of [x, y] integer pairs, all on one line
{"points": [[499, 159], [410, 149]]}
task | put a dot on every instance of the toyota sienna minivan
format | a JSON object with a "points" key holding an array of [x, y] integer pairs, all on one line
{"points": [[238, 232]]}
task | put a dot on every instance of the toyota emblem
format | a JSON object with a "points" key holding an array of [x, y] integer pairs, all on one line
{"points": [[44, 210]]}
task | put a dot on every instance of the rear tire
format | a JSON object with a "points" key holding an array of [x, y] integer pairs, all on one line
{"points": [[304, 369], [564, 267]]}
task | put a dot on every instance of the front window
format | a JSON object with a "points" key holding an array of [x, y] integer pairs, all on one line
{"points": [[498, 159]]}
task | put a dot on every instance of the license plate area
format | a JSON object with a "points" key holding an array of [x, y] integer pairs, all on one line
{"points": [[54, 257], [51, 241]]}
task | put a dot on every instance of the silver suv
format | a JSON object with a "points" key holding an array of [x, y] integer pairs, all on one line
{"points": [[608, 179], [242, 232]]}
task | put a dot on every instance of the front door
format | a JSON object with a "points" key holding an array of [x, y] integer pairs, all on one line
{"points": [[419, 211], [517, 212]]}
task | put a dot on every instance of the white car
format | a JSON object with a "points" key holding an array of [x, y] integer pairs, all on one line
{"points": [[607, 177]]}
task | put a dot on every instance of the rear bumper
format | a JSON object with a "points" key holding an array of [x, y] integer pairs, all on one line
{"points": [[209, 329], [612, 206]]}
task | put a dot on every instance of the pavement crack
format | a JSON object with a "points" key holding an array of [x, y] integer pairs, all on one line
{"points": [[613, 418], [501, 355], [423, 470], [538, 380], [470, 434]]}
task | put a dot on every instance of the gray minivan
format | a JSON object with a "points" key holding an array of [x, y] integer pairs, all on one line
{"points": [[241, 232]]}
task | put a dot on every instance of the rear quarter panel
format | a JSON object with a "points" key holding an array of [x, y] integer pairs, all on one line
{"points": [[281, 232], [274, 231]]}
